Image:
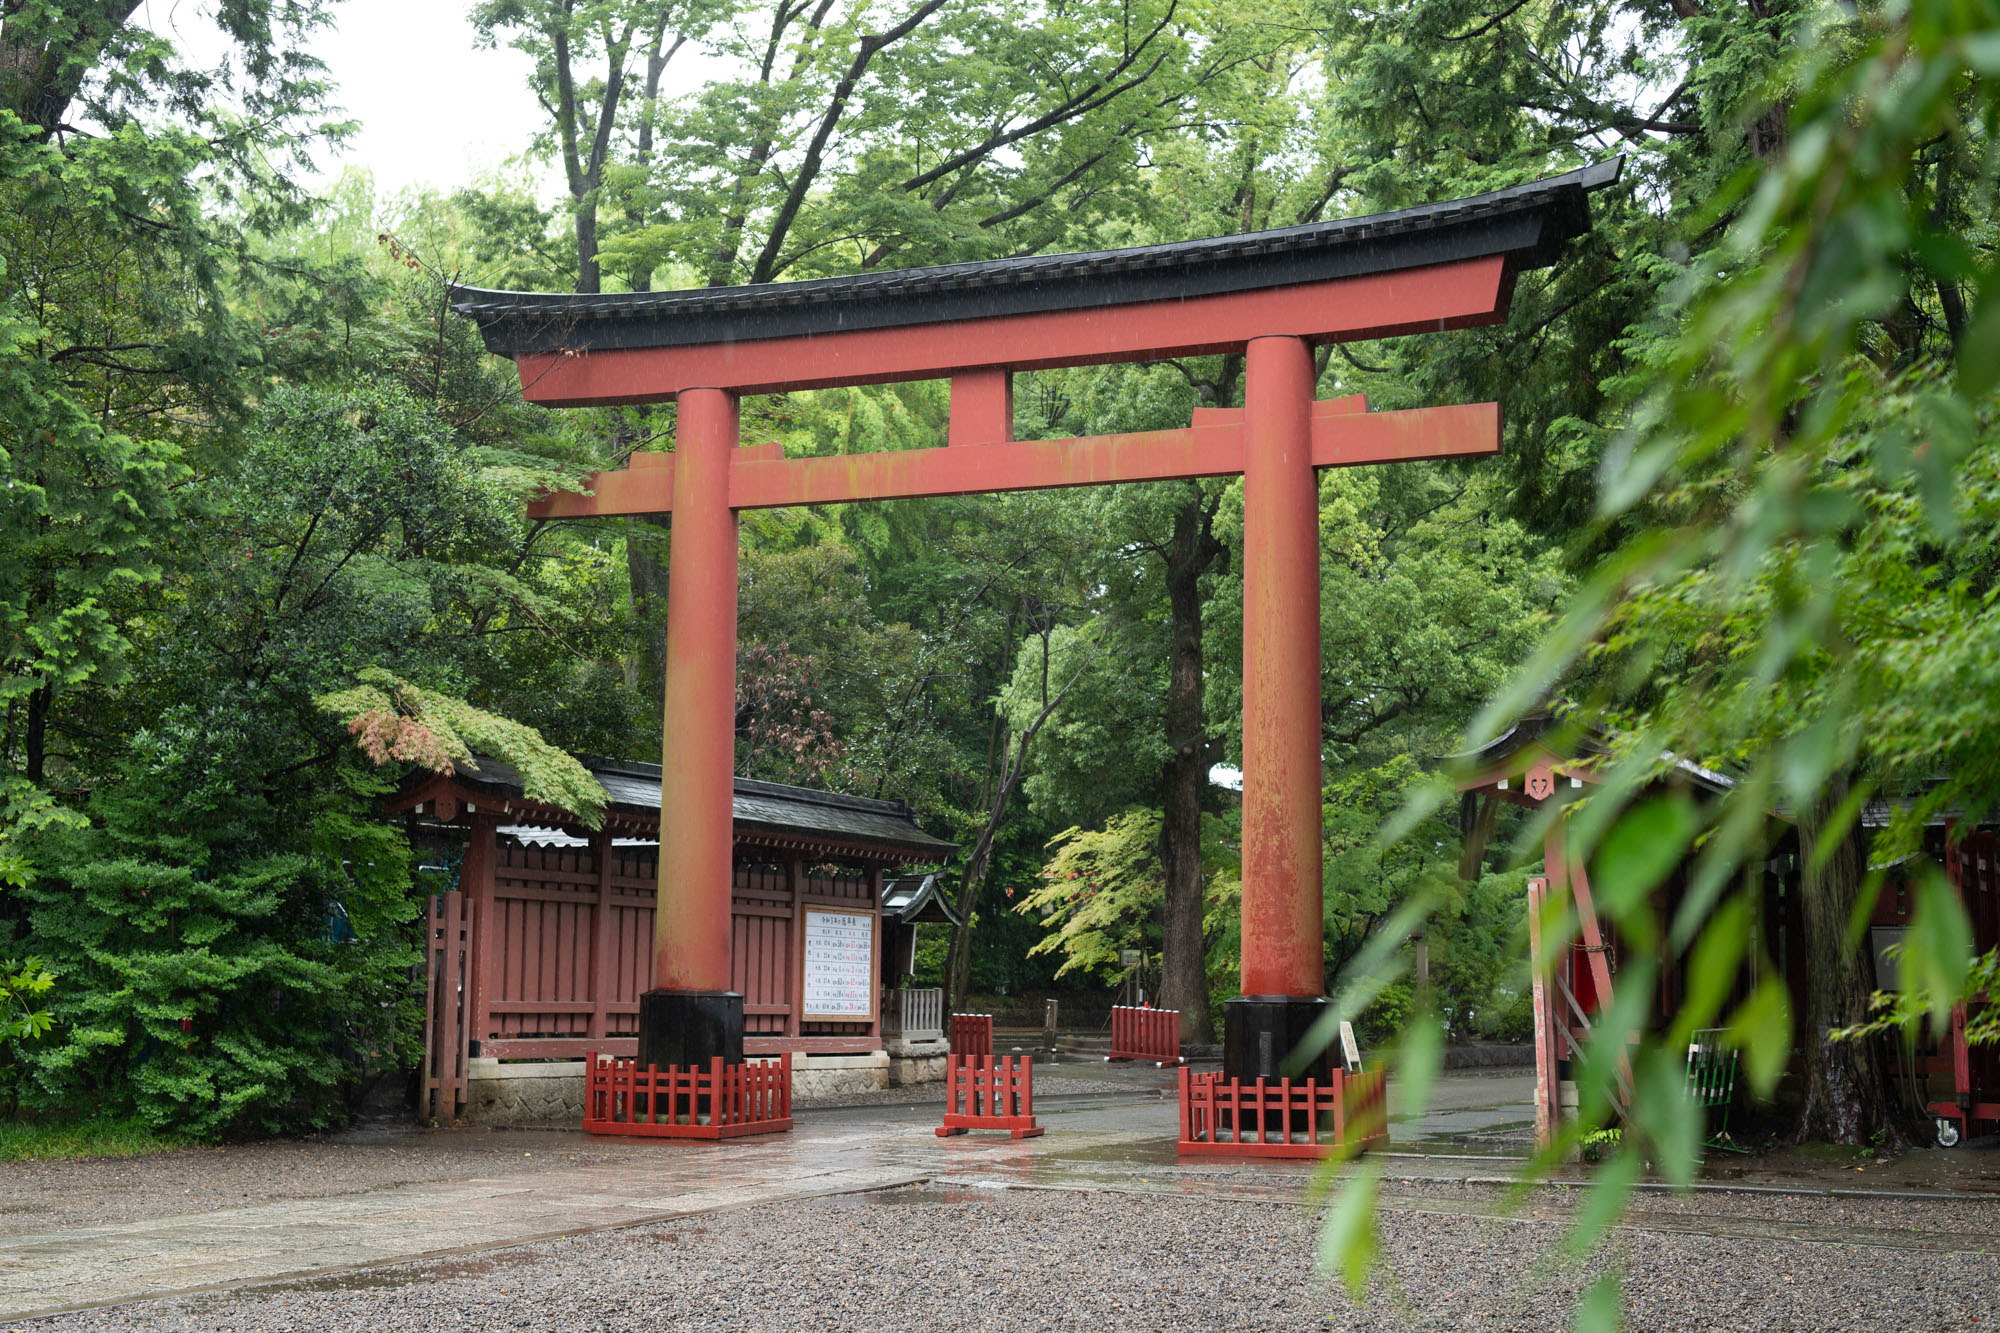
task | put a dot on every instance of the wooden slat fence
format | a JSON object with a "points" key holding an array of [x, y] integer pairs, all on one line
{"points": [[982, 1092], [1139, 1033], [913, 1014], [567, 951], [723, 1101], [972, 1034], [1231, 1118]]}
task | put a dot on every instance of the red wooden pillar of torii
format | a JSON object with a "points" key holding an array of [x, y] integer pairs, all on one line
{"points": [[1271, 296]]}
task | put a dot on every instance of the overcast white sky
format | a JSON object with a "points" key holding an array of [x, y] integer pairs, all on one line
{"points": [[434, 108]]}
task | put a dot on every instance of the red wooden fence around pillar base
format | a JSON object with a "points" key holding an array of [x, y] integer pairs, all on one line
{"points": [[982, 1092], [972, 1034], [1139, 1033], [1226, 1117], [720, 1102]]}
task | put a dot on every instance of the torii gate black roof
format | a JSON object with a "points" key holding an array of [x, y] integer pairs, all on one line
{"points": [[1528, 223]]}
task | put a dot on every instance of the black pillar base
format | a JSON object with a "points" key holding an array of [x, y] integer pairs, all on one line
{"points": [[690, 1027], [1262, 1035]]}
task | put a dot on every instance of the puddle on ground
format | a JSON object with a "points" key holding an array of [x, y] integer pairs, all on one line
{"points": [[368, 1279], [1155, 1152]]}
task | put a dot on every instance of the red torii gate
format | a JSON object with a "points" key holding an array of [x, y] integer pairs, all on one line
{"points": [[1269, 295]]}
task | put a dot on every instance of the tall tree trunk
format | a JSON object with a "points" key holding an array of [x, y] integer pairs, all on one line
{"points": [[1184, 971], [589, 280], [1846, 1091], [646, 566]]}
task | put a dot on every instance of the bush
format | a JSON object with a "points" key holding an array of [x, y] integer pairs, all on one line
{"points": [[1511, 1021], [202, 985], [1383, 1021]]}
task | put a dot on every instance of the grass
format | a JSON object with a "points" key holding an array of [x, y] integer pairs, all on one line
{"points": [[21, 1142]]}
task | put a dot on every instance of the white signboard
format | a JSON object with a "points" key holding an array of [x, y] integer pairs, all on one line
{"points": [[1349, 1049], [838, 966]]}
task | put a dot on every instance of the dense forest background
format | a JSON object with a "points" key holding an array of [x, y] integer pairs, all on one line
{"points": [[260, 480]]}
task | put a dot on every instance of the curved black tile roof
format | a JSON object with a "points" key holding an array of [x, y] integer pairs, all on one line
{"points": [[775, 808], [1530, 223]]}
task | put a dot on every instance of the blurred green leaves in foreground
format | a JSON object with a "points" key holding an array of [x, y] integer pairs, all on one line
{"points": [[1798, 588]]}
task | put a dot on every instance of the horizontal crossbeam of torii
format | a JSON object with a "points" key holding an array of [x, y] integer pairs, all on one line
{"points": [[1272, 296]]}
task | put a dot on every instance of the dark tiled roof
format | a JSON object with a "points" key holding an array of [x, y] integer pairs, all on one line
{"points": [[1529, 222], [1575, 742], [917, 898], [775, 808]]}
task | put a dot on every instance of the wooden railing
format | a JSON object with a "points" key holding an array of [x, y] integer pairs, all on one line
{"points": [[982, 1092], [722, 1101], [913, 1015], [1146, 1034], [1280, 1118], [972, 1034]]}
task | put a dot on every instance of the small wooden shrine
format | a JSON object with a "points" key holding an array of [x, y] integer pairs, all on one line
{"points": [[545, 946]]}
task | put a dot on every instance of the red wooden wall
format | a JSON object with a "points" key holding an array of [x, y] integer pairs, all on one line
{"points": [[564, 948]]}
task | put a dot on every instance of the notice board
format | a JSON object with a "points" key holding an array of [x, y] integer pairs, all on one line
{"points": [[838, 967]]}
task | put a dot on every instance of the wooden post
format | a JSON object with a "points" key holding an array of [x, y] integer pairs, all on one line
{"points": [[875, 947], [691, 932], [476, 875], [1283, 927], [795, 877], [1547, 1114]]}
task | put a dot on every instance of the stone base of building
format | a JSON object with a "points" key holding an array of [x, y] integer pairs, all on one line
{"points": [[907, 1069], [549, 1094], [817, 1076], [542, 1095], [906, 1048]]}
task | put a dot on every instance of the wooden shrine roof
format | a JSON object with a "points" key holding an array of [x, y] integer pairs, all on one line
{"points": [[917, 899], [1528, 223], [772, 814], [1546, 740]]}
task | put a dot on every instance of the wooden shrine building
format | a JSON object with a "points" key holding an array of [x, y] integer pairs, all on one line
{"points": [[545, 946]]}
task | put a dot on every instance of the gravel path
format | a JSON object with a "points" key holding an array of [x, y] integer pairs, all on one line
{"points": [[1967, 1215], [939, 1259]]}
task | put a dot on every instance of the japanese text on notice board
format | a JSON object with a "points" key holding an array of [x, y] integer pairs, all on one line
{"points": [[839, 966]]}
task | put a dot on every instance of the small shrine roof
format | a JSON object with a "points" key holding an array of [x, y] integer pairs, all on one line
{"points": [[917, 898], [764, 811]]}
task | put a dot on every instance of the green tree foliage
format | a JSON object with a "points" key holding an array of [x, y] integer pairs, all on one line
{"points": [[1816, 485], [212, 984], [1798, 514], [1100, 893]]}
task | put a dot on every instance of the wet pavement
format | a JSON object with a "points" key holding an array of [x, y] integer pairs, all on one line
{"points": [[566, 1184]]}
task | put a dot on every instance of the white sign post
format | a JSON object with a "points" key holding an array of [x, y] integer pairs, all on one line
{"points": [[837, 965]]}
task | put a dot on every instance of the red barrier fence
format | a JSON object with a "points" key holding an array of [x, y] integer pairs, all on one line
{"points": [[720, 1102], [982, 1092], [1230, 1118], [1146, 1034], [972, 1034]]}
